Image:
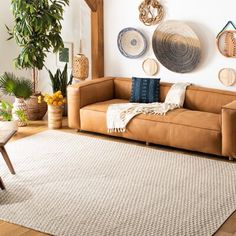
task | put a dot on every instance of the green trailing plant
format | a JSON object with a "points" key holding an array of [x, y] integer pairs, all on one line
{"points": [[37, 30], [60, 80], [6, 112], [21, 115], [13, 85]]}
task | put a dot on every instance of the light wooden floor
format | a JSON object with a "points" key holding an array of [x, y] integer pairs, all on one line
{"points": [[7, 229]]}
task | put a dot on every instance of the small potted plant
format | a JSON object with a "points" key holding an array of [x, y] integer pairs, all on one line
{"points": [[6, 119], [59, 82], [21, 88], [55, 104]]}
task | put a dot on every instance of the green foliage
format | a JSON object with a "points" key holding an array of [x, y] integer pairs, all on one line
{"points": [[12, 85], [6, 111], [37, 29], [60, 80], [21, 115]]}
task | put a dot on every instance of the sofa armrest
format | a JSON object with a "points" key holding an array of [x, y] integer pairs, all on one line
{"points": [[229, 130], [85, 93]]}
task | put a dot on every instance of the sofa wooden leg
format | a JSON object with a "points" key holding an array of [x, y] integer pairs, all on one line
{"points": [[147, 143], [2, 186], [231, 159]]}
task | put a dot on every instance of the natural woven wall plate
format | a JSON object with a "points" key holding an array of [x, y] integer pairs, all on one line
{"points": [[226, 43], [150, 12], [132, 43], [176, 46], [150, 67], [227, 76], [226, 40]]}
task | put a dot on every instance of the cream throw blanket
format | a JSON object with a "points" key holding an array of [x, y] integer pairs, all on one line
{"points": [[119, 115]]}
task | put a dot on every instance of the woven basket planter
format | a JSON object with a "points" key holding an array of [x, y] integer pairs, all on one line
{"points": [[36, 111], [54, 117]]}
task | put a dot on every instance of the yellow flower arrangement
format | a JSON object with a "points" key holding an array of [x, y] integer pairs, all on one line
{"points": [[55, 99]]}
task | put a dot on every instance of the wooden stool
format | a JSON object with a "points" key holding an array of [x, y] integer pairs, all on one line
{"points": [[5, 136]]}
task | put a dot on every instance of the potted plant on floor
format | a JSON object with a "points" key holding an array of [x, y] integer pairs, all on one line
{"points": [[37, 31], [21, 88], [59, 82], [55, 104], [6, 119]]}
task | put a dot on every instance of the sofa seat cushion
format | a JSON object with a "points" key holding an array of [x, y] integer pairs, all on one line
{"points": [[102, 106], [181, 128]]}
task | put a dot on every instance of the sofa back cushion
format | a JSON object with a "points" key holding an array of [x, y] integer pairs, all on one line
{"points": [[197, 98]]}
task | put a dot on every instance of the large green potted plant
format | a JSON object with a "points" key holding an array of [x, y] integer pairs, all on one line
{"points": [[19, 87], [37, 30]]}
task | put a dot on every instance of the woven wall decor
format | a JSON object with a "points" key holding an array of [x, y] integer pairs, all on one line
{"points": [[80, 67], [226, 41], [227, 76], [176, 46], [131, 43], [150, 67], [151, 12]]}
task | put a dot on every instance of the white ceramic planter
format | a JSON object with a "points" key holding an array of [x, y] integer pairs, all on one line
{"points": [[19, 104], [9, 125]]}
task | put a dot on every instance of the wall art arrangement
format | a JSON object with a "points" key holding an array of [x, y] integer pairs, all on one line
{"points": [[226, 44], [226, 41], [227, 76], [150, 67], [151, 12], [176, 46], [132, 43]]}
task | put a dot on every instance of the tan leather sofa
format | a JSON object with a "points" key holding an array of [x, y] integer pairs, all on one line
{"points": [[206, 123]]}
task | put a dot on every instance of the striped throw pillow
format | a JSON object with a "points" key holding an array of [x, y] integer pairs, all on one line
{"points": [[145, 90]]}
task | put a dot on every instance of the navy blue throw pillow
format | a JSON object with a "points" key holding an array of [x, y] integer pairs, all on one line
{"points": [[145, 90]]}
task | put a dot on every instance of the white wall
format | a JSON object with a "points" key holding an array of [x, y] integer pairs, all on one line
{"points": [[206, 18], [72, 31], [8, 49]]}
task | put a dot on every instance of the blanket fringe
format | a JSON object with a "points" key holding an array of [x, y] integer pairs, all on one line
{"points": [[116, 130]]}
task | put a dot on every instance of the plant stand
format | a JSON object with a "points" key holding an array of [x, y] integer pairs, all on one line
{"points": [[54, 117]]}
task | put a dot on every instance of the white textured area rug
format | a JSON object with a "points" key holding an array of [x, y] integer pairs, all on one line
{"points": [[73, 185]]}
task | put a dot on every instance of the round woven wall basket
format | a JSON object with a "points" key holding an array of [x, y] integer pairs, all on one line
{"points": [[176, 46], [150, 12], [227, 76], [150, 67], [80, 67], [226, 43], [132, 43]]}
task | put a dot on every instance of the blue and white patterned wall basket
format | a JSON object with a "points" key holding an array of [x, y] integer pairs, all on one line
{"points": [[132, 43]]}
